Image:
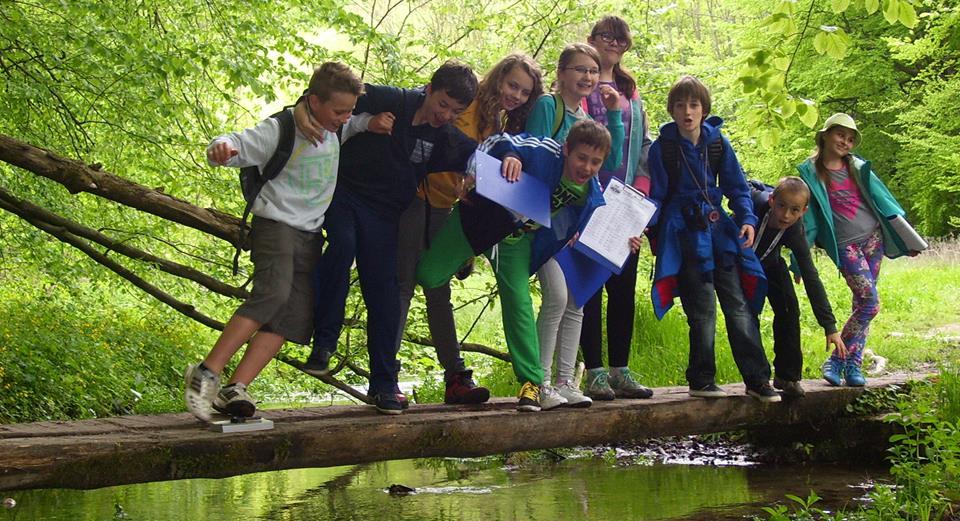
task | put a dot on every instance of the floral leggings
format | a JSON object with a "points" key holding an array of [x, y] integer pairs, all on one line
{"points": [[860, 267]]}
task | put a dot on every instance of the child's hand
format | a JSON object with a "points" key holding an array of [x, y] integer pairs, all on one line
{"points": [[510, 169], [746, 233], [835, 340], [306, 124], [573, 239], [221, 153], [635, 244], [610, 97], [382, 123]]}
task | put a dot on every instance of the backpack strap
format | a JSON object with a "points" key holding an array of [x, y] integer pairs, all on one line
{"points": [[558, 115], [252, 178]]}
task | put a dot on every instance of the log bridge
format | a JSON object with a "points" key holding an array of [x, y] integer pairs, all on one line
{"points": [[134, 449]]}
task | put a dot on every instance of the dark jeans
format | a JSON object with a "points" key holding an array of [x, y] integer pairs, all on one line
{"points": [[743, 329], [788, 357], [621, 308], [355, 230]]}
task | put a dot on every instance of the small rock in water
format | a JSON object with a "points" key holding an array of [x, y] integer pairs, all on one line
{"points": [[400, 490], [9, 502]]}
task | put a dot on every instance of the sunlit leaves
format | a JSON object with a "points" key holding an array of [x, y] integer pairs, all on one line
{"points": [[839, 6], [832, 41]]}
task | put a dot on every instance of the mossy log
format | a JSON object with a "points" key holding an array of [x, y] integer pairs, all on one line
{"points": [[135, 449]]}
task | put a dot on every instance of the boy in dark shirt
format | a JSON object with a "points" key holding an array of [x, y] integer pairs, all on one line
{"points": [[378, 179], [780, 214]]}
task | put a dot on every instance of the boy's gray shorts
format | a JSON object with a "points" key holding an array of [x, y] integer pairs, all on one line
{"points": [[283, 262]]}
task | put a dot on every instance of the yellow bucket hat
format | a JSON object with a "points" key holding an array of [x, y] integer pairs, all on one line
{"points": [[842, 120]]}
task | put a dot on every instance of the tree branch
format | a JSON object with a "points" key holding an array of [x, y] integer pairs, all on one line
{"points": [[78, 177], [28, 210], [65, 236]]}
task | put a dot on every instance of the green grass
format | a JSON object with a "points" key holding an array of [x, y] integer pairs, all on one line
{"points": [[918, 297], [89, 347]]}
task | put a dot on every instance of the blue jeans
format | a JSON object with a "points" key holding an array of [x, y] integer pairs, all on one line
{"points": [[355, 230], [743, 329]]}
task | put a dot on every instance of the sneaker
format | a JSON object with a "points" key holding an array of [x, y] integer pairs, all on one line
{"points": [[462, 389], [550, 398], [573, 396], [402, 398], [598, 385], [200, 388], [764, 393], [852, 375], [707, 391], [234, 400], [624, 385], [318, 363], [529, 398], [833, 371], [387, 403], [790, 388]]}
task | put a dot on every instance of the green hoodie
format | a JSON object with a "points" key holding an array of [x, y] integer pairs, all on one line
{"points": [[818, 221]]}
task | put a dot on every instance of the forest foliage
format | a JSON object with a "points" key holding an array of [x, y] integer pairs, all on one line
{"points": [[138, 88]]}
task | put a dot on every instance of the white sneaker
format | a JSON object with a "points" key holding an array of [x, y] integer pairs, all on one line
{"points": [[234, 400], [200, 388], [574, 397], [550, 398]]}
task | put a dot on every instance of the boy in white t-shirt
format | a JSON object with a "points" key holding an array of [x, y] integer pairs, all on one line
{"points": [[285, 243]]}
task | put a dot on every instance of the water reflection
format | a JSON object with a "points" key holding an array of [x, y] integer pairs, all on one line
{"points": [[461, 490]]}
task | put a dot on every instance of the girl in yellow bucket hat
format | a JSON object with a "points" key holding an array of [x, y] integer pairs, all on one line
{"points": [[849, 217]]}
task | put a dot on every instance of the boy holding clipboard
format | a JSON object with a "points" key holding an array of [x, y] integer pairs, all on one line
{"points": [[515, 245]]}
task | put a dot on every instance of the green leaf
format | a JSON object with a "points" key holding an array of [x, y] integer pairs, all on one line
{"points": [[839, 6], [891, 11], [871, 6], [908, 15], [788, 107], [808, 113], [820, 42]]}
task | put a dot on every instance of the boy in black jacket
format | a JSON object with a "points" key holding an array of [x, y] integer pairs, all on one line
{"points": [[780, 225], [378, 179]]}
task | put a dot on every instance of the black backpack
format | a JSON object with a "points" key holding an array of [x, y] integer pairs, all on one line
{"points": [[670, 154], [252, 178]]}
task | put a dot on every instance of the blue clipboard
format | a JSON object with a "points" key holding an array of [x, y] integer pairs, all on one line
{"points": [[529, 196], [584, 276], [589, 253]]}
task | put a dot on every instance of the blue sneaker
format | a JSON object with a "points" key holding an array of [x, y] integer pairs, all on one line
{"points": [[853, 375], [833, 371]]}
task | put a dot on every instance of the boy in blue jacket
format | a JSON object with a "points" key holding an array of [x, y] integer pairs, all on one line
{"points": [[517, 248], [701, 251]]}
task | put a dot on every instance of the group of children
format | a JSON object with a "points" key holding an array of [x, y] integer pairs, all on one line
{"points": [[394, 192]]}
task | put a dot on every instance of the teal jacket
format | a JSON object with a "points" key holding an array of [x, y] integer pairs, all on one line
{"points": [[818, 220], [540, 123]]}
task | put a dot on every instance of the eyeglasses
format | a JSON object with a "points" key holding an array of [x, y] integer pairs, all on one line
{"points": [[581, 70], [612, 39]]}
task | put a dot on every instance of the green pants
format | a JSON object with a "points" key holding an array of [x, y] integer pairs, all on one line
{"points": [[448, 251]]}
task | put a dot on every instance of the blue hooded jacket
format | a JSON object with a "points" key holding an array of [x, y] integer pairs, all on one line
{"points": [[700, 191], [543, 159]]}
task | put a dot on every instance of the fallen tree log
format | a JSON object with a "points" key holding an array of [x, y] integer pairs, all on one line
{"points": [[136, 449]]}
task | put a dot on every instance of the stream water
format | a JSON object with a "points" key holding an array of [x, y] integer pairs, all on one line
{"points": [[593, 484]]}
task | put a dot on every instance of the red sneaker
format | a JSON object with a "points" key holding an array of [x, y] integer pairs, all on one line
{"points": [[462, 389]]}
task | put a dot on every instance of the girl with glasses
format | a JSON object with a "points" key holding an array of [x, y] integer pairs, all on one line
{"points": [[560, 319], [611, 38]]}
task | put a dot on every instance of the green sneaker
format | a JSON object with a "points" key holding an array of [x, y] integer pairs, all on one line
{"points": [[598, 387], [625, 386]]}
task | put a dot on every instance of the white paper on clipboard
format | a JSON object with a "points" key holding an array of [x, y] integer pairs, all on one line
{"points": [[625, 214]]}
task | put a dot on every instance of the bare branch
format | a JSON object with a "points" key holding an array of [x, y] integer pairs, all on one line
{"points": [[27, 210], [78, 177], [71, 239]]}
